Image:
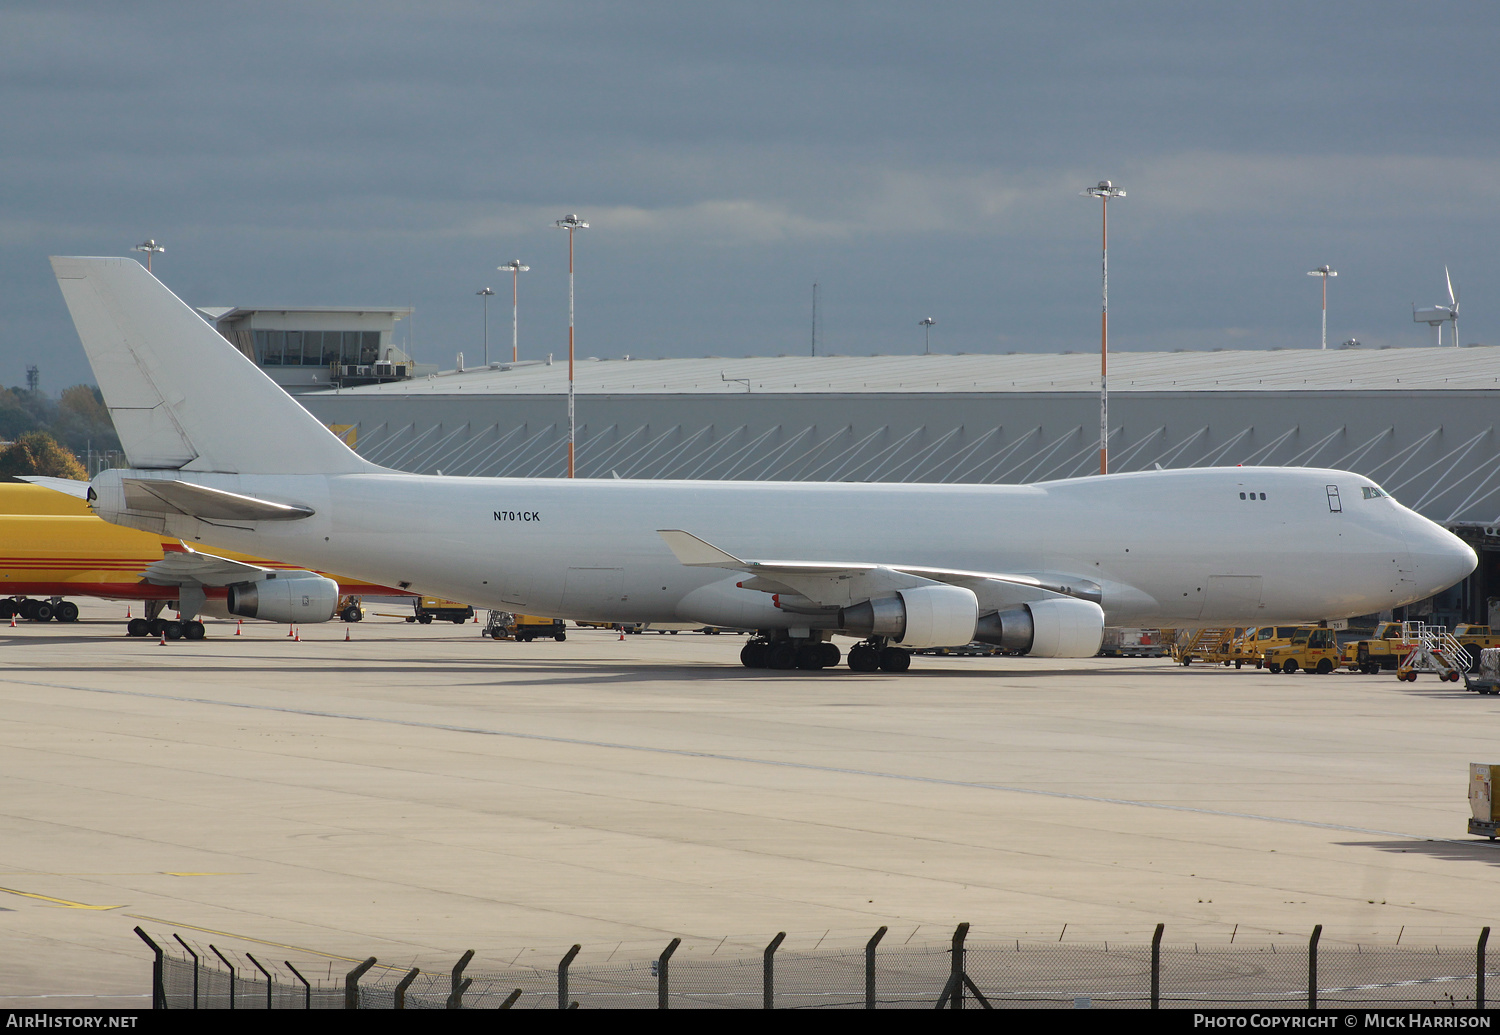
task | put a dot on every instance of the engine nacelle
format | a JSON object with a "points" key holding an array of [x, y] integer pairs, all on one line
{"points": [[294, 596], [928, 616], [1062, 628]]}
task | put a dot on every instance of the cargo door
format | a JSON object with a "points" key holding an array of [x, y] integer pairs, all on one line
{"points": [[1232, 598], [593, 593]]}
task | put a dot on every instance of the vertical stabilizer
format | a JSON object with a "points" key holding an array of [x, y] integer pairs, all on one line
{"points": [[183, 398]]}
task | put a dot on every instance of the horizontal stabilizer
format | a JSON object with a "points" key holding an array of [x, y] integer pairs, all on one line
{"points": [[66, 486], [150, 496]]}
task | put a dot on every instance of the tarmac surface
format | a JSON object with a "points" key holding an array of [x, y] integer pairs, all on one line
{"points": [[421, 790]]}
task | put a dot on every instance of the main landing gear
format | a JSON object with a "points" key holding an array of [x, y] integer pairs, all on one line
{"points": [[784, 653], [155, 625]]}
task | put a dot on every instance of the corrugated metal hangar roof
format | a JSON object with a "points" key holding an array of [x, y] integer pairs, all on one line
{"points": [[1285, 370]]}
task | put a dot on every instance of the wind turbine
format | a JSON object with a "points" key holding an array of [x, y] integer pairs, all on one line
{"points": [[1437, 315]]}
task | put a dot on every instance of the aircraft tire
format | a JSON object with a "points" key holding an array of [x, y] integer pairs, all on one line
{"points": [[864, 658], [810, 656], [67, 611], [782, 655], [894, 659], [753, 654], [172, 630], [831, 654], [193, 630], [42, 612]]}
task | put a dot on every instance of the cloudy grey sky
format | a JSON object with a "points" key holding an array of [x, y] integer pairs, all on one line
{"points": [[914, 159]]}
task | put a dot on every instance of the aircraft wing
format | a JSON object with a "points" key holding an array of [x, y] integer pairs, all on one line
{"points": [[831, 585], [181, 565]]}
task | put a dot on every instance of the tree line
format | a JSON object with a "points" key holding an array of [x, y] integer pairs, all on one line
{"points": [[40, 435]]}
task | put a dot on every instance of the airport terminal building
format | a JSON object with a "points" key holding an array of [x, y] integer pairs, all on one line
{"points": [[1420, 422]]}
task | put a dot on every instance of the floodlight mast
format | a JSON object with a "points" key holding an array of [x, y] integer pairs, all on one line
{"points": [[570, 223], [485, 293], [1325, 272], [1104, 191], [926, 326], [516, 269], [150, 247]]}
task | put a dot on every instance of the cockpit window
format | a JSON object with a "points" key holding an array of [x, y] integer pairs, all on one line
{"points": [[1372, 493]]}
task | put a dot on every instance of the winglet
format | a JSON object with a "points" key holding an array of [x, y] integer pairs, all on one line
{"points": [[691, 550]]}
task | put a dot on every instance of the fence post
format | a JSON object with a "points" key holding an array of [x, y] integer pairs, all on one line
{"points": [[188, 949], [306, 986], [870, 968], [270, 981], [1484, 937], [1312, 967], [768, 973], [1156, 967], [562, 977], [219, 954], [351, 983], [661, 972], [460, 983], [956, 978], [510, 1000], [158, 985], [399, 1000]]}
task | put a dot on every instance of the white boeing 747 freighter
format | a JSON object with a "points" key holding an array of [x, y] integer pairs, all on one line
{"points": [[221, 456]]}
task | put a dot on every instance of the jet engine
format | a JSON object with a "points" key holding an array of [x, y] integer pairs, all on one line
{"points": [[928, 616], [298, 596], [1062, 628]]}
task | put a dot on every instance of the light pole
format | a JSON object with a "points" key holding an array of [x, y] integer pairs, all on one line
{"points": [[1324, 272], [150, 247], [1104, 192], [926, 326], [485, 293], [516, 269], [570, 223]]}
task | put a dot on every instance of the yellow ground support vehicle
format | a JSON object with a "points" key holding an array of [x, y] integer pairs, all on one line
{"points": [[1475, 638], [504, 625], [1383, 651], [1250, 648], [1312, 648], [1207, 645], [425, 609]]}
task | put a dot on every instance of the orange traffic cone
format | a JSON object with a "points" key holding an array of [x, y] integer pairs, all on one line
{"points": [[297, 638], [622, 632], [346, 634], [163, 642], [127, 611], [12, 621], [237, 628], [290, 632]]}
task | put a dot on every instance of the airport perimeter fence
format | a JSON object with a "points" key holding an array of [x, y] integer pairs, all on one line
{"points": [[1129, 975]]}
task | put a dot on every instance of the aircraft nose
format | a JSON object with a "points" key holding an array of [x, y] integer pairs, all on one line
{"points": [[1442, 558]]}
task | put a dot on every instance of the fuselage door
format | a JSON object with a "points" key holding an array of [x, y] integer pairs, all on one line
{"points": [[1334, 506]]}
